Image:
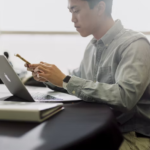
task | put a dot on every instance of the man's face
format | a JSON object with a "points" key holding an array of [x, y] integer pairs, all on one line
{"points": [[85, 19]]}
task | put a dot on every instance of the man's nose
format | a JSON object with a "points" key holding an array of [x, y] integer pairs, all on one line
{"points": [[74, 20]]}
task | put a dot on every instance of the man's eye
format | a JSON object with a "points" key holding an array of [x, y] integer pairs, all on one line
{"points": [[76, 11]]}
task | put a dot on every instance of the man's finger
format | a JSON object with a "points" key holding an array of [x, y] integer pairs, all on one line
{"points": [[30, 69], [41, 62], [43, 76], [38, 78], [33, 65], [41, 69], [46, 64], [34, 74], [26, 65]]}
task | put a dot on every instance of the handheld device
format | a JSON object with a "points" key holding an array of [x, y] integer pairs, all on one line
{"points": [[17, 55]]}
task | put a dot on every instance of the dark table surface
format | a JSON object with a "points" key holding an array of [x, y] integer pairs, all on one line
{"points": [[80, 126]]}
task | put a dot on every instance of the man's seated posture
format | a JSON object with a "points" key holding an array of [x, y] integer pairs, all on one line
{"points": [[115, 70]]}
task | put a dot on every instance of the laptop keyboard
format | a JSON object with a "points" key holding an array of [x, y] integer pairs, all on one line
{"points": [[42, 97]]}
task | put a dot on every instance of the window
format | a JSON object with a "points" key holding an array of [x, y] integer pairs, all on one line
{"points": [[53, 15]]}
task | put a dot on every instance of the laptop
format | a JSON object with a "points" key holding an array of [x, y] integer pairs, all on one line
{"points": [[17, 88]]}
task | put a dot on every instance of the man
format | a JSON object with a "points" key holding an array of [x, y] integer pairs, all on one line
{"points": [[115, 70]]}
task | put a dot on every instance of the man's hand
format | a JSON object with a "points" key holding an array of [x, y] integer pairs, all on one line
{"points": [[29, 69], [34, 74], [48, 72]]}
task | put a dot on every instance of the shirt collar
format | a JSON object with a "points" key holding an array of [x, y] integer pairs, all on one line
{"points": [[110, 35]]}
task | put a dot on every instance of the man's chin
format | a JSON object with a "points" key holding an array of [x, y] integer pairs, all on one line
{"points": [[84, 34]]}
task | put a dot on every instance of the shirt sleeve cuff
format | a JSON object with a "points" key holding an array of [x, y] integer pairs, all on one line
{"points": [[65, 85], [75, 85]]}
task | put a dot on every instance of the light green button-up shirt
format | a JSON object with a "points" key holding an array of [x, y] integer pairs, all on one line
{"points": [[115, 70]]}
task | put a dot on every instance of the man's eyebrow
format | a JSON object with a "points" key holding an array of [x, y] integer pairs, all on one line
{"points": [[72, 7]]}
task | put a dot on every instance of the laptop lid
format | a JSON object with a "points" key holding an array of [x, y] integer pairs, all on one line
{"points": [[12, 81]]}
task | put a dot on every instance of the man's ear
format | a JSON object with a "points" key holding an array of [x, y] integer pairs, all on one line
{"points": [[101, 6]]}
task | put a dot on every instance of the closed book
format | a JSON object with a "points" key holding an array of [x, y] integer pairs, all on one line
{"points": [[28, 111]]}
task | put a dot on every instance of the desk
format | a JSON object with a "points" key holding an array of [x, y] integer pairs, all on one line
{"points": [[81, 126]]}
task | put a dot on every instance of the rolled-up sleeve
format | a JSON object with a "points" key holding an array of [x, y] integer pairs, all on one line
{"points": [[131, 79]]}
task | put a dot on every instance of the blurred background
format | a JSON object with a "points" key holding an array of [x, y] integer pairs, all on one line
{"points": [[41, 30]]}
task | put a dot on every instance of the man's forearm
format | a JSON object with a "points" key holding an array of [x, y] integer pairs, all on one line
{"points": [[55, 88]]}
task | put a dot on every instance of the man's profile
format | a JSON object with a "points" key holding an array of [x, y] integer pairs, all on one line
{"points": [[115, 70]]}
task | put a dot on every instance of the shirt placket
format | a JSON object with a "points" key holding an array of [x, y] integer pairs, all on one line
{"points": [[99, 51]]}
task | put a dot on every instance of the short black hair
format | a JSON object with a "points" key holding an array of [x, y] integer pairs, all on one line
{"points": [[109, 3]]}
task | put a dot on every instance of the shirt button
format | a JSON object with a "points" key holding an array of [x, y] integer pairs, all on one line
{"points": [[73, 92]]}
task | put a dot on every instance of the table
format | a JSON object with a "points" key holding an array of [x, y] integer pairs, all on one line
{"points": [[81, 126]]}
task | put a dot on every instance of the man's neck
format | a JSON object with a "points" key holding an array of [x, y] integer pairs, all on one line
{"points": [[103, 28]]}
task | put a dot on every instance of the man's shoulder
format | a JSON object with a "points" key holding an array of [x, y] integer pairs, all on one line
{"points": [[131, 35], [127, 37]]}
